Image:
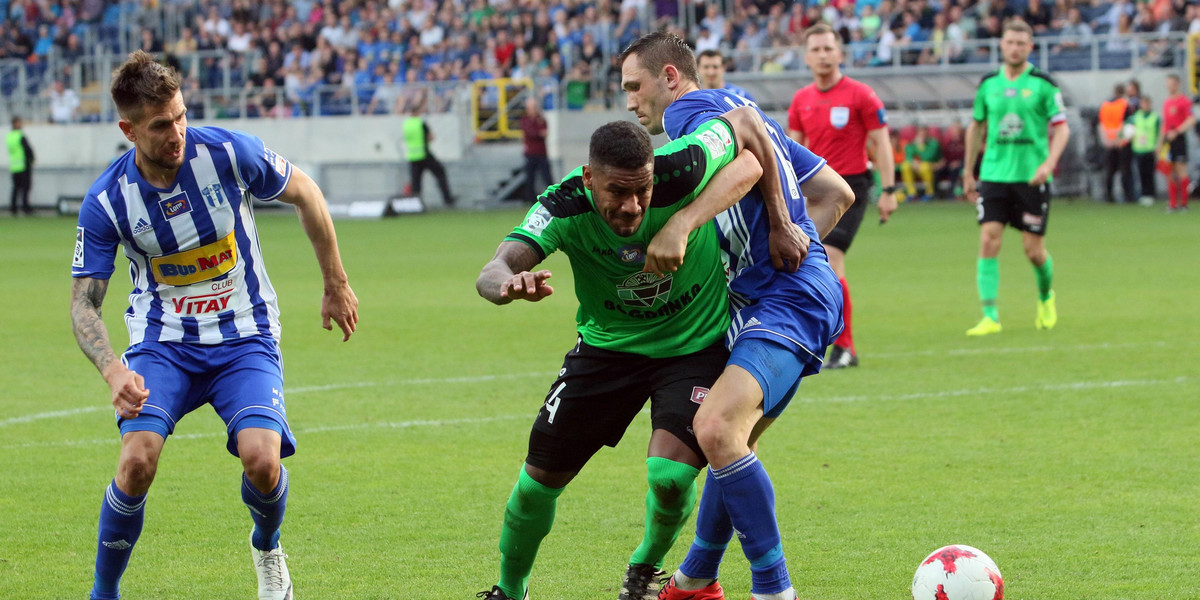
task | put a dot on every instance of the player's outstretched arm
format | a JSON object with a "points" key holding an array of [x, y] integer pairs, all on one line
{"points": [[338, 304], [507, 276], [665, 252], [829, 197], [127, 387]]}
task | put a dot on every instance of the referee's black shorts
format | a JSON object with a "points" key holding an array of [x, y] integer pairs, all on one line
{"points": [[843, 233]]}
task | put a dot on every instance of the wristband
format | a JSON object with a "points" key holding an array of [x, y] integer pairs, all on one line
{"points": [[889, 189]]}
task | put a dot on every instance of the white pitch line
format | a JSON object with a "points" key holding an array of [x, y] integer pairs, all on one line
{"points": [[1050, 387], [298, 390], [978, 351], [425, 381], [51, 415], [1072, 386]]}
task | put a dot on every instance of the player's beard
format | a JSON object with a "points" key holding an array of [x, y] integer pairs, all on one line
{"points": [[166, 162]]}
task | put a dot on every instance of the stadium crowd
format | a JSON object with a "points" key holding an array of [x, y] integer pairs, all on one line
{"points": [[365, 54]]}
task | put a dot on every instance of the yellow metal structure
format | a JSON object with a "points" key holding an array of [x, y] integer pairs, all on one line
{"points": [[491, 116], [1191, 62]]}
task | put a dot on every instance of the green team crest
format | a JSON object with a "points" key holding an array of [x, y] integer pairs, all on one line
{"points": [[644, 290]]}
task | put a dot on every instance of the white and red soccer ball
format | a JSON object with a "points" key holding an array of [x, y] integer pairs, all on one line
{"points": [[958, 572]]}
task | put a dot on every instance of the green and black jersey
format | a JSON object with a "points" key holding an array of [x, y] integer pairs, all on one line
{"points": [[622, 308], [1018, 113]]}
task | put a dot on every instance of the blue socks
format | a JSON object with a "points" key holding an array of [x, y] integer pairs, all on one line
{"points": [[739, 496], [121, 519], [713, 532], [266, 510]]}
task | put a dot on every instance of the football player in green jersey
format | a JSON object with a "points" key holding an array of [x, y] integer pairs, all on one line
{"points": [[1018, 107], [641, 334]]}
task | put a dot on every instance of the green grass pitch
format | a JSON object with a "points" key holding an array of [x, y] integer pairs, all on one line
{"points": [[1069, 456]]}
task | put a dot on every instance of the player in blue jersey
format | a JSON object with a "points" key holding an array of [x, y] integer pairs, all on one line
{"points": [[711, 67], [203, 319], [782, 321]]}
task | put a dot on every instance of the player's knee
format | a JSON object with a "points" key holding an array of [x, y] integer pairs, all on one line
{"points": [[136, 472], [262, 469], [713, 433]]}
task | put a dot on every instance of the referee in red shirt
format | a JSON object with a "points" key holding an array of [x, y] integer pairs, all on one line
{"points": [[842, 120]]}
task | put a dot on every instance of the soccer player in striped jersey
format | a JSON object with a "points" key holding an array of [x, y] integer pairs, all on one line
{"points": [[203, 318], [782, 319]]}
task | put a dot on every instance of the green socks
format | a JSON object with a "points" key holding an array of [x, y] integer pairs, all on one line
{"points": [[987, 277], [528, 517], [1045, 277], [669, 503]]}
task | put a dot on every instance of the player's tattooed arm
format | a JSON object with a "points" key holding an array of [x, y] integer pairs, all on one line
{"points": [[507, 276], [128, 389], [87, 295]]}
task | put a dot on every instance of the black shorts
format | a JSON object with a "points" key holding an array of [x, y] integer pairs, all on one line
{"points": [[843, 233], [599, 392], [1178, 151], [1021, 205]]}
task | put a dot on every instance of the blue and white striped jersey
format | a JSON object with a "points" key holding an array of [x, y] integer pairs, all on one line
{"points": [[194, 255], [744, 229]]}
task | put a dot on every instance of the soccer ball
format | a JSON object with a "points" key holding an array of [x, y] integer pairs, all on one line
{"points": [[958, 573]]}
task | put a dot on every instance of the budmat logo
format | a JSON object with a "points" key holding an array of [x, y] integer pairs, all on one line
{"points": [[643, 290]]}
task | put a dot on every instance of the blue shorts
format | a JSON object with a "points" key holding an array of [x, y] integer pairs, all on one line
{"points": [[782, 337], [242, 379]]}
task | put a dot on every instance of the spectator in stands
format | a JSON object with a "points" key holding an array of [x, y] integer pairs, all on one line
{"points": [[954, 140], [537, 161], [1147, 129], [186, 44], [20, 165], [72, 50], [1038, 16], [711, 66], [1143, 20], [938, 44], [239, 39], [417, 137], [1120, 38], [707, 40], [215, 24], [885, 45], [1109, 19], [922, 155], [150, 42], [1074, 32], [1118, 157], [64, 103], [44, 42]]}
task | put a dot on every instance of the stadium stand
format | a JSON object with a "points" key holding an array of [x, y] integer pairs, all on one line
{"points": [[327, 58]]}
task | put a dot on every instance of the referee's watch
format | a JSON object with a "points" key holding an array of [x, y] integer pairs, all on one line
{"points": [[889, 189]]}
